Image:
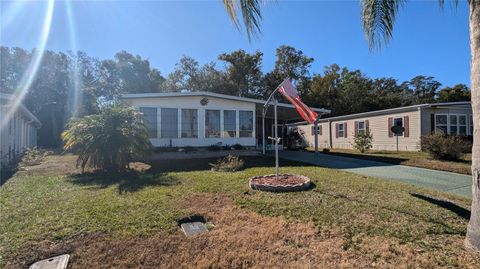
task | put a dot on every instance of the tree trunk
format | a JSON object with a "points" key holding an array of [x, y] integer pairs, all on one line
{"points": [[472, 240]]}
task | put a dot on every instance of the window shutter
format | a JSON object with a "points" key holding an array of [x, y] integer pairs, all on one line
{"points": [[390, 124], [319, 129], [406, 125], [336, 130], [345, 129], [313, 130], [367, 125], [432, 123], [356, 127]]}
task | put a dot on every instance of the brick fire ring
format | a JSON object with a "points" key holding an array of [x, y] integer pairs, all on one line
{"points": [[284, 183]]}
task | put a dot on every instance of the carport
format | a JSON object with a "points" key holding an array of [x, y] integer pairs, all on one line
{"points": [[286, 114]]}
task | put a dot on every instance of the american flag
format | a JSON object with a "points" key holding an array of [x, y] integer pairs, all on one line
{"points": [[291, 94]]}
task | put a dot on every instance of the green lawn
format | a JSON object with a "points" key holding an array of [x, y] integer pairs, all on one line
{"points": [[409, 158], [57, 209]]}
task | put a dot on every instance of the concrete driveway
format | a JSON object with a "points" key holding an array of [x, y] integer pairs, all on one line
{"points": [[433, 179]]}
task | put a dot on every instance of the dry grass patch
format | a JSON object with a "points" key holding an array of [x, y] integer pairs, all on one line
{"points": [[129, 220], [52, 165], [243, 239]]}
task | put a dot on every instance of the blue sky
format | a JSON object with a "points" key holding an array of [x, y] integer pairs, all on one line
{"points": [[427, 40]]}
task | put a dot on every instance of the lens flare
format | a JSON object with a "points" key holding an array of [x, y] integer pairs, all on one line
{"points": [[31, 72], [75, 92]]}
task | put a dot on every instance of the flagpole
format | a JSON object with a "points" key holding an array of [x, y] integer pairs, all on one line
{"points": [[273, 93], [276, 137], [265, 107], [263, 131]]}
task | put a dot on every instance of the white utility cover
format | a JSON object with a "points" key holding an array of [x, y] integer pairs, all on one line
{"points": [[58, 262]]}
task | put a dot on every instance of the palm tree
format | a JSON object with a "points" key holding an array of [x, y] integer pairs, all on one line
{"points": [[108, 140], [378, 18]]}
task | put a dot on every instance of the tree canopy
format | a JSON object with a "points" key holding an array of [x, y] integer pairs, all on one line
{"points": [[62, 77]]}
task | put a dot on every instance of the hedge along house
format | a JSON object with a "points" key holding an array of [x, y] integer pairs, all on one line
{"points": [[453, 118], [18, 132], [202, 119]]}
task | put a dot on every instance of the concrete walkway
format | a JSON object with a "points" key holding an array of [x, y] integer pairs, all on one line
{"points": [[433, 179]]}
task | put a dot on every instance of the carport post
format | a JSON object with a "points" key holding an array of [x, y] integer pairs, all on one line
{"points": [[315, 130]]}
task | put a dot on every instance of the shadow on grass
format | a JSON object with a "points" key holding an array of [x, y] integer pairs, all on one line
{"points": [[460, 211], [156, 175], [5, 175], [187, 165], [130, 181]]}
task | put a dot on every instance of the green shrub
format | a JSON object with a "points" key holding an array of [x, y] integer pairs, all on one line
{"points": [[228, 164], [108, 140], [363, 141], [214, 147], [226, 147], [442, 147], [237, 147]]}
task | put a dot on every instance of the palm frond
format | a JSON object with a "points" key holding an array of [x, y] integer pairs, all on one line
{"points": [[251, 15], [442, 3], [378, 17]]}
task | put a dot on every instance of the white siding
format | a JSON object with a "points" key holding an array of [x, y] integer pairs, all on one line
{"points": [[193, 102], [18, 134], [378, 126], [323, 137]]}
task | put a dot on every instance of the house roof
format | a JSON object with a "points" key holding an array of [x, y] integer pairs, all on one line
{"points": [[21, 108], [393, 111], [212, 94]]}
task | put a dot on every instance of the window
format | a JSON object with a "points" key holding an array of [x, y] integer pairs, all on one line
{"points": [[341, 130], [189, 123], [246, 123], [212, 123], [319, 129], [169, 123], [441, 123], [150, 118], [361, 127], [451, 124], [462, 124], [229, 123], [398, 122]]}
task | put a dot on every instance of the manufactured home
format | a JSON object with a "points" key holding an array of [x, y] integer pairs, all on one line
{"points": [[202, 119], [18, 129], [454, 118]]}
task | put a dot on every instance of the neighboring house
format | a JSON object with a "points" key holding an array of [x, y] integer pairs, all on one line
{"points": [[201, 119], [418, 120], [18, 131]]}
